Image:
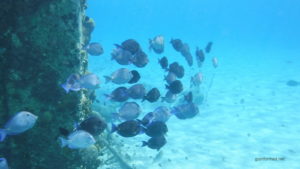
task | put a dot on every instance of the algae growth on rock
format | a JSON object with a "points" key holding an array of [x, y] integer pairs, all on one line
{"points": [[40, 45]]}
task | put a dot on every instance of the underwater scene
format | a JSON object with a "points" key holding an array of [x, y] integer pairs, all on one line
{"points": [[149, 84]]}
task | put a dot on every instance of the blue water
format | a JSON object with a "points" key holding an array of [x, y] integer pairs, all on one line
{"points": [[249, 112]]}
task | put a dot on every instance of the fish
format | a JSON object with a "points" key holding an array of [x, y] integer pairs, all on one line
{"points": [[135, 77], [128, 128], [77, 140], [169, 97], [161, 113], [156, 129], [121, 56], [94, 49], [72, 83], [120, 76], [177, 44], [200, 57], [3, 163], [155, 143], [208, 47], [163, 62], [215, 62], [152, 96], [93, 125], [197, 79], [292, 83], [179, 72], [129, 111], [148, 118], [137, 91], [171, 77], [177, 69], [185, 52], [19, 123], [157, 44], [131, 45], [140, 59], [89, 81], [185, 111], [120, 94], [175, 87]]}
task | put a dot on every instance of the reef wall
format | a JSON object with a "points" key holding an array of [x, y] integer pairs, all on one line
{"points": [[40, 46]]}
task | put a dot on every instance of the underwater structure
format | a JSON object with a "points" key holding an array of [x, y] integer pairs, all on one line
{"points": [[40, 46]]}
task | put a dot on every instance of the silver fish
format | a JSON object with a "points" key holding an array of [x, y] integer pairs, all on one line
{"points": [[123, 57], [169, 97], [72, 83], [162, 113], [89, 81], [19, 123], [157, 44], [137, 91], [78, 139], [120, 76], [129, 111], [185, 111], [94, 49], [171, 77]]}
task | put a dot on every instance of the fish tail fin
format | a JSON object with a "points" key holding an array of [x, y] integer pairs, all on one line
{"points": [[167, 86], [118, 46], [143, 130], [144, 98], [2, 135], [112, 56], [63, 142], [64, 86], [144, 143], [113, 127], [107, 79], [107, 96]]}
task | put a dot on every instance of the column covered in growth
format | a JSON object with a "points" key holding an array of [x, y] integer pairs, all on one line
{"points": [[40, 46]]}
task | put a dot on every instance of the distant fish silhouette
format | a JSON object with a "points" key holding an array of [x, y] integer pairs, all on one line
{"points": [[157, 44], [215, 62], [208, 47], [200, 57], [292, 83]]}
